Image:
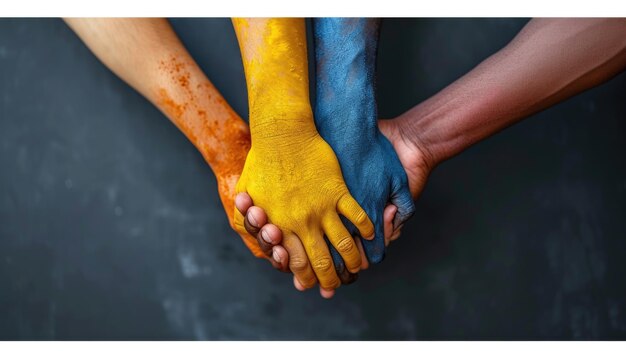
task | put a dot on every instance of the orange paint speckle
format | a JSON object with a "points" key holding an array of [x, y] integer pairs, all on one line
{"points": [[195, 106]]}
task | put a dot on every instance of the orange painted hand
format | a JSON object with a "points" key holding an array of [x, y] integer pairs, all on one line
{"points": [[147, 54], [190, 100], [290, 171]]}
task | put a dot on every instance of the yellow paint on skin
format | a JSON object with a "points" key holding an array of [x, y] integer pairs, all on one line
{"points": [[290, 171]]}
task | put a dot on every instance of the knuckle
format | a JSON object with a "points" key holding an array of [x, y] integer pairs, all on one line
{"points": [[323, 264], [360, 217], [348, 278], [331, 284], [307, 282], [252, 230], [297, 263], [266, 248], [345, 245]]}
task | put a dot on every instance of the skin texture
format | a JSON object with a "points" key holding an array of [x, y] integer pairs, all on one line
{"points": [[561, 56], [269, 237], [346, 116], [290, 171], [549, 61], [147, 54]]}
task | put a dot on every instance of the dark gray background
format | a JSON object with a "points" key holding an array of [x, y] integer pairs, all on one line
{"points": [[111, 226]]}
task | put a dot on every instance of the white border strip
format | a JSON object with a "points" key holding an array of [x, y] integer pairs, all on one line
{"points": [[315, 8]]}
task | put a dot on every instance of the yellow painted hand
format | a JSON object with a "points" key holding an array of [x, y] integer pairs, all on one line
{"points": [[297, 180], [290, 171]]}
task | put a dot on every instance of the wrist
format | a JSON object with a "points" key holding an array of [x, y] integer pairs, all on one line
{"points": [[427, 133], [281, 122], [453, 120], [283, 92]]}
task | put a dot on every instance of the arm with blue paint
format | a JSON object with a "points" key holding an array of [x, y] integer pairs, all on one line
{"points": [[346, 116]]}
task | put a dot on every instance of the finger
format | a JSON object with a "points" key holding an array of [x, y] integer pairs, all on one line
{"points": [[298, 260], [268, 237], [319, 256], [274, 263], [281, 257], [297, 284], [388, 215], [364, 262], [351, 209], [249, 240], [254, 220], [327, 294], [238, 223], [243, 201], [342, 241], [344, 275], [402, 199], [396, 233], [375, 248]]}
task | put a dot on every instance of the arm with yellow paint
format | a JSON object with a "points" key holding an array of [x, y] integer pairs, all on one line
{"points": [[147, 54], [290, 171]]}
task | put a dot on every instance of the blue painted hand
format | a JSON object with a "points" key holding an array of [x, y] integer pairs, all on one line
{"points": [[346, 117]]}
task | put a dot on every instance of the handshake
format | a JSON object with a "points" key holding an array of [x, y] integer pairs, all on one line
{"points": [[319, 177], [321, 190]]}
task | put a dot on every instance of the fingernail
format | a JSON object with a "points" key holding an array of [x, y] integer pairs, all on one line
{"points": [[252, 220], [266, 236], [275, 255]]}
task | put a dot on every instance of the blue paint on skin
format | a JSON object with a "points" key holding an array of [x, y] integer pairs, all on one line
{"points": [[346, 117]]}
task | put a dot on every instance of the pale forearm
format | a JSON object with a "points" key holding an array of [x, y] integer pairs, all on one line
{"points": [[131, 47], [549, 60], [147, 54]]}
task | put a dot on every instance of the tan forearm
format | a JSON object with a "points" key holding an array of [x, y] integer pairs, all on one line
{"points": [[548, 61]]}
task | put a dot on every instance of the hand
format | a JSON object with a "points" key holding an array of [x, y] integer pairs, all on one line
{"points": [[269, 238], [290, 171], [414, 156], [478, 105], [346, 117], [296, 178], [147, 54], [221, 136], [417, 163]]}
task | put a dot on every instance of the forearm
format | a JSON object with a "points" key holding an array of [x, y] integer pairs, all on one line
{"points": [[147, 54], [548, 61], [275, 62], [345, 51]]}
